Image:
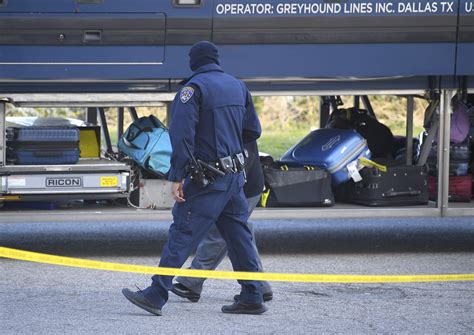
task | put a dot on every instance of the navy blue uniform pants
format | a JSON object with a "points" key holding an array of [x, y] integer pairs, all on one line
{"points": [[222, 203], [213, 249]]}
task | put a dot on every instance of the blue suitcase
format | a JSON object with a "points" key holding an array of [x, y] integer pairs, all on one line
{"points": [[335, 150], [42, 145]]}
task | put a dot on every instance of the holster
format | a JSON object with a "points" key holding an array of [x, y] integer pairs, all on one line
{"points": [[227, 164]]}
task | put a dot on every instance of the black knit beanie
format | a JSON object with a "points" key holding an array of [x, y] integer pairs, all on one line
{"points": [[203, 53]]}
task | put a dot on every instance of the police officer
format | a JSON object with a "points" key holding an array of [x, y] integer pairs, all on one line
{"points": [[213, 115], [212, 249]]}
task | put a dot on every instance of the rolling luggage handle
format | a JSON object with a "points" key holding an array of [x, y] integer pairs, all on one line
{"points": [[393, 194], [48, 153]]}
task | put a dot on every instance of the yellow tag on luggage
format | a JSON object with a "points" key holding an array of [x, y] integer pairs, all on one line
{"points": [[369, 163], [264, 199]]}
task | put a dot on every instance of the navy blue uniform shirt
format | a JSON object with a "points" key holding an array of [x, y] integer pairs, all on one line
{"points": [[214, 114]]}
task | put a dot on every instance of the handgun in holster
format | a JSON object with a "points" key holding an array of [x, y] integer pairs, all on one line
{"points": [[210, 171]]}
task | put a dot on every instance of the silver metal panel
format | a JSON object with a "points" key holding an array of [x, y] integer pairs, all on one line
{"points": [[83, 165], [67, 183], [90, 99], [344, 212], [138, 99], [454, 210], [3, 184], [338, 92], [443, 149], [440, 154], [155, 193], [409, 131], [2, 135]]}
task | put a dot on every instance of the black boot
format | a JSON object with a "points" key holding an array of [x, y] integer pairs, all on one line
{"points": [[184, 292], [244, 308], [138, 299], [266, 297]]}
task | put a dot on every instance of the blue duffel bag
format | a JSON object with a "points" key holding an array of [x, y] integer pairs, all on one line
{"points": [[147, 142]]}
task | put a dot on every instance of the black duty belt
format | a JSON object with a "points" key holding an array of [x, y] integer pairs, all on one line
{"points": [[203, 173], [230, 164]]}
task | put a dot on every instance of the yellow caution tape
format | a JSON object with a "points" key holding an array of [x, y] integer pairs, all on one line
{"points": [[369, 163], [286, 277]]}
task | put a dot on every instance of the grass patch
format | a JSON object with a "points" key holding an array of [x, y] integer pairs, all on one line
{"points": [[276, 143]]}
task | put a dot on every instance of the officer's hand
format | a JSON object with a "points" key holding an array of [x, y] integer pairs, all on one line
{"points": [[177, 191]]}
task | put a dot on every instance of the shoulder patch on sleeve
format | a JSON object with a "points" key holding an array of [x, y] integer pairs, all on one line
{"points": [[186, 94]]}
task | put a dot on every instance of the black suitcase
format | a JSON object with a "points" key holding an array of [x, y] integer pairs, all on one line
{"points": [[456, 167], [401, 185], [42, 145], [296, 186]]}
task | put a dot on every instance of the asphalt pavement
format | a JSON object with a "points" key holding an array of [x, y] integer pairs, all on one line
{"points": [[48, 299]]}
